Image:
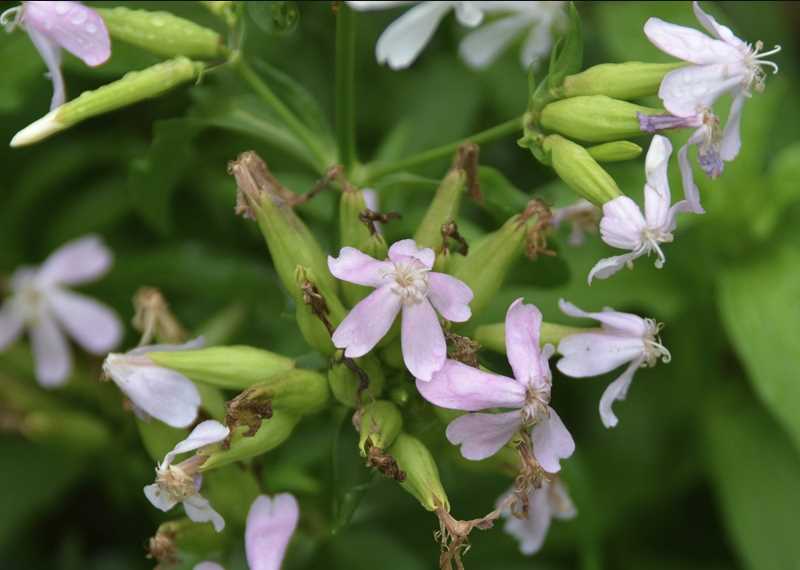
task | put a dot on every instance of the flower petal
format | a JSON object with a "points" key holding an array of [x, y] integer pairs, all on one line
{"points": [[422, 339], [612, 321], [93, 325], [11, 323], [406, 248], [561, 504], [622, 223], [51, 55], [469, 13], [357, 267], [51, 352], [731, 138], [656, 192], [689, 44], [198, 342], [270, 524], [158, 498], [368, 5], [719, 31], [404, 39], [690, 191], [689, 90], [482, 435], [481, 47], [367, 323], [595, 353], [73, 26], [552, 442], [617, 390], [522, 345], [450, 296], [199, 510], [206, 565], [607, 267], [205, 433], [460, 387], [76, 262], [531, 531]]}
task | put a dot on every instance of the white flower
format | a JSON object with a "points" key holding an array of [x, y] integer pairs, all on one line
{"points": [[583, 215], [181, 483], [549, 501], [155, 391], [623, 338], [481, 47], [41, 303], [623, 225]]}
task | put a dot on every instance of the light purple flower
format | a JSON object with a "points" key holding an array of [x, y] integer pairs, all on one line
{"points": [[549, 501], [582, 215], [52, 26], [404, 282], [461, 387], [41, 303], [181, 483], [623, 338], [623, 225], [155, 391]]}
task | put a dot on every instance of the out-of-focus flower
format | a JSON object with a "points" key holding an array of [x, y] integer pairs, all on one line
{"points": [[584, 217], [155, 391], [52, 26], [402, 282], [623, 225], [181, 483], [623, 338], [41, 303], [461, 387]]}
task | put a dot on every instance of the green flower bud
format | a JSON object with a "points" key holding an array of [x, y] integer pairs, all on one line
{"points": [[576, 167], [344, 382], [594, 118], [445, 204], [162, 33], [380, 425], [298, 391], [629, 80], [422, 475], [68, 429], [616, 151], [494, 336], [131, 88], [232, 367], [317, 313]]}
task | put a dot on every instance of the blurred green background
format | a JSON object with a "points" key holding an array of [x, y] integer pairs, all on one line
{"points": [[703, 471]]}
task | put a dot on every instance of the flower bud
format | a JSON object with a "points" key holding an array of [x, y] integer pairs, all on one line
{"points": [[594, 118], [131, 88], [421, 474], [298, 391], [629, 80], [345, 382], [232, 367], [162, 33], [494, 336], [380, 425], [317, 313], [616, 151], [576, 167]]}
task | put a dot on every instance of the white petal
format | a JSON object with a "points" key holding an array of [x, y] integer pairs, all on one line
{"points": [[51, 54], [690, 90], [199, 510], [403, 249], [422, 339], [368, 5], [622, 223], [357, 267], [561, 505], [79, 261], [607, 267], [93, 325], [731, 138], [205, 433], [537, 44], [717, 30], [552, 442], [689, 44], [690, 191], [368, 322], [481, 47], [482, 435], [612, 321], [617, 390], [656, 191], [469, 13], [270, 525], [11, 323], [158, 498], [51, 352], [594, 353], [404, 39]]}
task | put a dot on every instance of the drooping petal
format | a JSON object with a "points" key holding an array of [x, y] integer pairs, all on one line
{"points": [[552, 442], [717, 30], [594, 353], [656, 192], [270, 524], [481, 47], [537, 44], [690, 191], [73, 26], [450, 296], [531, 531], [159, 498], [367, 323], [612, 321], [93, 325], [406, 248], [11, 323], [200, 510], [689, 44], [76, 262], [198, 342], [622, 223], [51, 352], [368, 5], [422, 339], [561, 505], [51, 55], [608, 266], [688, 90], [617, 390], [460, 387], [482, 435], [731, 138], [469, 13], [207, 565], [205, 433], [357, 267], [406, 37], [522, 345]]}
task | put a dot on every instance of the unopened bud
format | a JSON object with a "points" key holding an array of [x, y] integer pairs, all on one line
{"points": [[162, 33], [317, 312], [421, 474], [298, 391], [594, 118], [131, 88], [379, 426], [576, 167], [356, 381], [616, 151], [494, 336], [630, 80], [232, 367]]}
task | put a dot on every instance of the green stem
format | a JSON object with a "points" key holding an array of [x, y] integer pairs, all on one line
{"points": [[345, 86], [375, 171], [321, 159]]}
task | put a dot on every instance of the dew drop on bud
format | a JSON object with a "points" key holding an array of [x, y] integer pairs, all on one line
{"points": [[274, 17]]}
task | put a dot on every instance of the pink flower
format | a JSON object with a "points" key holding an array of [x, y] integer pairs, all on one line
{"points": [[623, 338], [41, 302], [404, 282], [461, 387], [52, 26]]}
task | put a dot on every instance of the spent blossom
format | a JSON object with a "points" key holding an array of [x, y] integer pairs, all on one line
{"points": [[461, 387], [403, 283], [623, 338], [41, 302], [53, 26], [582, 215], [181, 483]]}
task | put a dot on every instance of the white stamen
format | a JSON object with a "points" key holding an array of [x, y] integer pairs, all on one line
{"points": [[10, 18], [410, 281]]}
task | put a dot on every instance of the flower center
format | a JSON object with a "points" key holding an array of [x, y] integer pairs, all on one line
{"points": [[755, 62], [535, 407], [653, 349], [175, 482], [410, 281], [651, 238]]}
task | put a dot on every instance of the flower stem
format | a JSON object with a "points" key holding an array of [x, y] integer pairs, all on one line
{"points": [[345, 86], [375, 171]]}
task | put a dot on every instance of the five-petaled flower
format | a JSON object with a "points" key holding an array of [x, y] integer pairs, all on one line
{"points": [[623, 338], [623, 225], [461, 387], [52, 26], [41, 302], [404, 282], [181, 483]]}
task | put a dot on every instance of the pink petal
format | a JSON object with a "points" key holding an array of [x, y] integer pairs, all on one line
{"points": [[689, 44], [689, 90], [367, 323], [76, 262], [93, 325], [205, 433], [206, 565], [531, 531], [617, 390], [552, 442], [51, 352], [622, 223], [424, 347], [270, 525], [11, 323], [73, 26], [482, 435], [357, 267], [403, 249], [594, 353], [522, 345], [200, 510], [731, 138], [460, 387], [612, 321], [450, 296], [51, 54]]}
